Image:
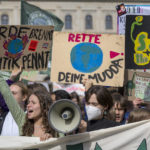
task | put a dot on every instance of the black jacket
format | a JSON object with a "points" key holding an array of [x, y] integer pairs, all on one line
{"points": [[2, 118], [100, 124]]}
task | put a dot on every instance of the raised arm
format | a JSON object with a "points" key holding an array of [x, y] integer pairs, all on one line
{"points": [[2, 101], [15, 75], [16, 111]]}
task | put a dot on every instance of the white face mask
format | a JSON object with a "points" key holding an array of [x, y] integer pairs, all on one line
{"points": [[93, 113]]}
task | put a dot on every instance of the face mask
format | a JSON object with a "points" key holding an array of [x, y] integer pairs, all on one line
{"points": [[93, 113]]}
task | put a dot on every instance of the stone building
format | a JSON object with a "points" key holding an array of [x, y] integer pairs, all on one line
{"points": [[78, 15]]}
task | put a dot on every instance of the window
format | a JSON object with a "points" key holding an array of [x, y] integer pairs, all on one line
{"points": [[88, 22], [4, 19], [108, 22], [68, 22]]}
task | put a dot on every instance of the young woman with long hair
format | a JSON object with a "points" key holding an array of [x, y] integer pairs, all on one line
{"points": [[35, 121]]}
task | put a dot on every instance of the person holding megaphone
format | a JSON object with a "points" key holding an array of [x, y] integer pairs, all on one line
{"points": [[65, 115]]}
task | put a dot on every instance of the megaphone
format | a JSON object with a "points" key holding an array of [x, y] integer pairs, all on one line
{"points": [[64, 116]]}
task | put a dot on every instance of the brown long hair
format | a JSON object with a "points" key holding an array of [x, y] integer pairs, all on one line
{"points": [[45, 102], [139, 114]]}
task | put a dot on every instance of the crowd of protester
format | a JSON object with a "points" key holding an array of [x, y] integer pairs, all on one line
{"points": [[24, 108]]}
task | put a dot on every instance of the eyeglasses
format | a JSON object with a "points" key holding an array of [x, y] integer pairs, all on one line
{"points": [[92, 103]]}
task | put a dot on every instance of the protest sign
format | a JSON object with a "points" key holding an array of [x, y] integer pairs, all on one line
{"points": [[134, 136], [26, 46], [29, 75], [136, 84], [78, 88], [142, 87], [131, 10], [137, 42], [99, 57], [32, 76]]}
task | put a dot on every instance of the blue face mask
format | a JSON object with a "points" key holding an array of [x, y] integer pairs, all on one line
{"points": [[93, 112]]}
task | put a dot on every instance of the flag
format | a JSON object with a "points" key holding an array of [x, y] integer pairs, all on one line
{"points": [[33, 15]]}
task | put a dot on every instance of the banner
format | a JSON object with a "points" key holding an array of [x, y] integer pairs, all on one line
{"points": [[134, 136], [26, 46], [78, 88], [82, 55], [33, 15], [137, 42], [131, 10]]}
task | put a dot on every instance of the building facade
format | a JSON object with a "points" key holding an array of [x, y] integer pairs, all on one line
{"points": [[96, 16]]}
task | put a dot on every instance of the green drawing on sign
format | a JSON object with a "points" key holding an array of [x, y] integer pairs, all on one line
{"points": [[130, 85], [138, 22], [141, 44], [143, 145], [97, 147]]}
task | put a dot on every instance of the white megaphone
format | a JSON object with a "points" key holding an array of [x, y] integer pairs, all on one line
{"points": [[64, 116]]}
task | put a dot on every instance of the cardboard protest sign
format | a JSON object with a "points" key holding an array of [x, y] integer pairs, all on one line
{"points": [[32, 76], [99, 57], [78, 88], [142, 87], [137, 85], [137, 42], [26, 46], [29, 75]]}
